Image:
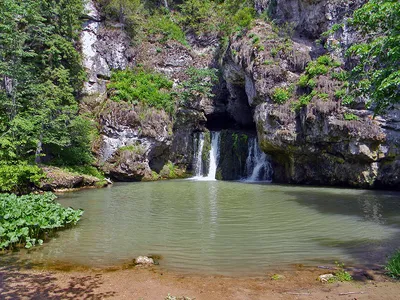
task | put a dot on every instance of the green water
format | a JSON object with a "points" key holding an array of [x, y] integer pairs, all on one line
{"points": [[227, 227]]}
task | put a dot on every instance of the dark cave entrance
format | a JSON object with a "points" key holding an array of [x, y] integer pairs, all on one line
{"points": [[234, 111]]}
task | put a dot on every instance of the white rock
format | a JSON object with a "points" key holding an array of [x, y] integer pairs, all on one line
{"points": [[144, 260], [325, 277]]}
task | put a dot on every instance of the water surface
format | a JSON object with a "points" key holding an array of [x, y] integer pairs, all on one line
{"points": [[227, 228]]}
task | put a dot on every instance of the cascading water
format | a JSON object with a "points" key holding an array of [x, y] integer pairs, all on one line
{"points": [[258, 167], [198, 164], [214, 156]]}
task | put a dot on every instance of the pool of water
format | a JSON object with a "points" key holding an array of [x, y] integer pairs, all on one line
{"points": [[226, 228]]}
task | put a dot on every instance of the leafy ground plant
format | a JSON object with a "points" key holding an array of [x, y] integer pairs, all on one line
{"points": [[393, 265], [341, 274], [27, 220]]}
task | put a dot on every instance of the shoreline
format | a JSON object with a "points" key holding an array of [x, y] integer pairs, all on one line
{"points": [[20, 280]]}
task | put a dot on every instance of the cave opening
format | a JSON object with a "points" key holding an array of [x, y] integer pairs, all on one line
{"points": [[236, 113]]}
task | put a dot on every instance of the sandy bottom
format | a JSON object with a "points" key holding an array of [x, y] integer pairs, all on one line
{"points": [[21, 281]]}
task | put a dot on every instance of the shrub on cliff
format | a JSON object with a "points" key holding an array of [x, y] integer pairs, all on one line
{"points": [[199, 84], [141, 86]]}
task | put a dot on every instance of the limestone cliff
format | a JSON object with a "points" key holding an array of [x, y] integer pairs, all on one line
{"points": [[319, 141]]}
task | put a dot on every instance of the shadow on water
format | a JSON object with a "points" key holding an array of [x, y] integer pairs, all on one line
{"points": [[16, 283], [380, 207]]}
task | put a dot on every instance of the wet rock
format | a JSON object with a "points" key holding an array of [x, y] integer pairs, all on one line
{"points": [[144, 261], [325, 277], [134, 140]]}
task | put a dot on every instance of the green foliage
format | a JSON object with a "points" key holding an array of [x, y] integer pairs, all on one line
{"points": [[377, 75], [339, 94], [341, 76], [41, 76], [198, 85], [26, 220], [137, 149], [347, 100], [164, 25], [199, 15], [306, 82], [321, 66], [393, 265], [244, 17], [304, 100], [18, 177], [341, 274], [223, 17], [280, 95], [86, 169], [350, 117], [314, 69], [171, 171], [141, 86], [303, 81]]}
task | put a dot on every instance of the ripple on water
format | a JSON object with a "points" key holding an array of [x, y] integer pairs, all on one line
{"points": [[226, 227]]}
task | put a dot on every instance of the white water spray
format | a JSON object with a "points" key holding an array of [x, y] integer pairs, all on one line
{"points": [[198, 162], [214, 156], [258, 167]]}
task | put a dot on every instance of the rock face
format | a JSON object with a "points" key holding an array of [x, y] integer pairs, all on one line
{"points": [[234, 146], [133, 141], [308, 18], [103, 49], [314, 144]]}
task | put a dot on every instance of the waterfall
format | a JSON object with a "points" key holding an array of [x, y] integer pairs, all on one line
{"points": [[198, 164], [214, 156], [258, 167]]}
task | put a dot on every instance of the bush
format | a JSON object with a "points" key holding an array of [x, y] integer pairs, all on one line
{"points": [[393, 265], [314, 68], [26, 220], [280, 95], [164, 25], [244, 17], [19, 177], [141, 86], [199, 84]]}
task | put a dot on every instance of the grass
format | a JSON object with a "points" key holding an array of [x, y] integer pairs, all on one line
{"points": [[341, 274], [141, 86], [350, 117], [393, 265]]}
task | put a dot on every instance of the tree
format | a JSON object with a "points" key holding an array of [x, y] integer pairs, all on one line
{"points": [[377, 74], [41, 77]]}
